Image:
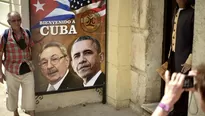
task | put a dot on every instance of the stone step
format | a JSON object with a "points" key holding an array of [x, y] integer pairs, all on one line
{"points": [[150, 107]]}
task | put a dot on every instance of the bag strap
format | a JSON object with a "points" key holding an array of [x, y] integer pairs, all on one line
{"points": [[29, 33], [5, 37]]}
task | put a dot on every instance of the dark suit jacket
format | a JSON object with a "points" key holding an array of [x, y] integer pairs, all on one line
{"points": [[71, 81], [100, 80], [184, 39]]}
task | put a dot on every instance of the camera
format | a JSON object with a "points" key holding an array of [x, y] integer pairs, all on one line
{"points": [[188, 82]]}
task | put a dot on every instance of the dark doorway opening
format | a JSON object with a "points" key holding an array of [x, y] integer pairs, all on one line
{"points": [[169, 7]]}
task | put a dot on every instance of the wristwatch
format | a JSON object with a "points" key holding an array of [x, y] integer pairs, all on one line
{"points": [[165, 107]]}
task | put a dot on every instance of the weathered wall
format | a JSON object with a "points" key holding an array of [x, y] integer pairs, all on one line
{"points": [[61, 100], [118, 52], [198, 51], [134, 48], [147, 36], [52, 101]]}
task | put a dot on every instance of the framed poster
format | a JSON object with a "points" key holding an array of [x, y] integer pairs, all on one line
{"points": [[69, 51]]}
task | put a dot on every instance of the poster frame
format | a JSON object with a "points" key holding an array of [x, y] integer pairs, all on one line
{"points": [[103, 86]]}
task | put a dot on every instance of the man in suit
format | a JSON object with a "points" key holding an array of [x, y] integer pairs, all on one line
{"points": [[181, 49], [86, 60], [54, 62]]}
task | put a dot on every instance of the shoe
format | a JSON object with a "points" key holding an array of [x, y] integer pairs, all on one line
{"points": [[31, 113], [26, 112], [16, 113]]}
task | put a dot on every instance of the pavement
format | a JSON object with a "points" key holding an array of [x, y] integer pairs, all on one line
{"points": [[96, 109]]}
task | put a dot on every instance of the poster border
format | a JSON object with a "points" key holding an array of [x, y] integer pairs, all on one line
{"points": [[103, 86]]}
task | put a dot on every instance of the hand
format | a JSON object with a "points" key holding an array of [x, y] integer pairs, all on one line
{"points": [[186, 67], [173, 88]]}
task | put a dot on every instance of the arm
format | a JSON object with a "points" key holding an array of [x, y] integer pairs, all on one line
{"points": [[2, 76], [189, 59], [173, 91], [187, 65], [1, 72], [31, 42]]}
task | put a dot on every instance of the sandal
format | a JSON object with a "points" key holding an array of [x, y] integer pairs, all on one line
{"points": [[16, 113]]}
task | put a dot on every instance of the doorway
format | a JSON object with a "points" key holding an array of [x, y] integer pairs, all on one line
{"points": [[169, 7]]}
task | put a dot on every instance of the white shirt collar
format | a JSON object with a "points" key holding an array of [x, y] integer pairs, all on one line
{"points": [[181, 9], [57, 85], [91, 82]]}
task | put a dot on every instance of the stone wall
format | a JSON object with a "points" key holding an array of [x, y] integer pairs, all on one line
{"points": [[198, 52], [118, 52], [66, 99], [147, 36], [134, 50]]}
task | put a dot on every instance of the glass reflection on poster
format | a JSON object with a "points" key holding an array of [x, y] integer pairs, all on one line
{"points": [[69, 51]]}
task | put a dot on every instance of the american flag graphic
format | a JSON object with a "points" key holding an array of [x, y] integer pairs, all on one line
{"points": [[56, 10], [82, 5]]}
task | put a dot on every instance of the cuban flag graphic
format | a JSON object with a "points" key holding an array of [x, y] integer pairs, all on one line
{"points": [[49, 10]]}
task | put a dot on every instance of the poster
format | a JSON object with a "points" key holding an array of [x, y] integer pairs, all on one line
{"points": [[69, 51]]}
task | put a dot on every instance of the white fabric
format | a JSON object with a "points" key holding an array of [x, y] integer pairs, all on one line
{"points": [[51, 88], [28, 95]]}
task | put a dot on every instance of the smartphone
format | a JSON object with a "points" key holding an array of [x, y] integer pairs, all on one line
{"points": [[188, 82]]}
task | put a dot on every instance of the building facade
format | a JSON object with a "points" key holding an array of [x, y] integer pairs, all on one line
{"points": [[134, 52]]}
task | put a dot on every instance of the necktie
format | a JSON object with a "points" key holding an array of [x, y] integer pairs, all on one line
{"points": [[51, 88]]}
